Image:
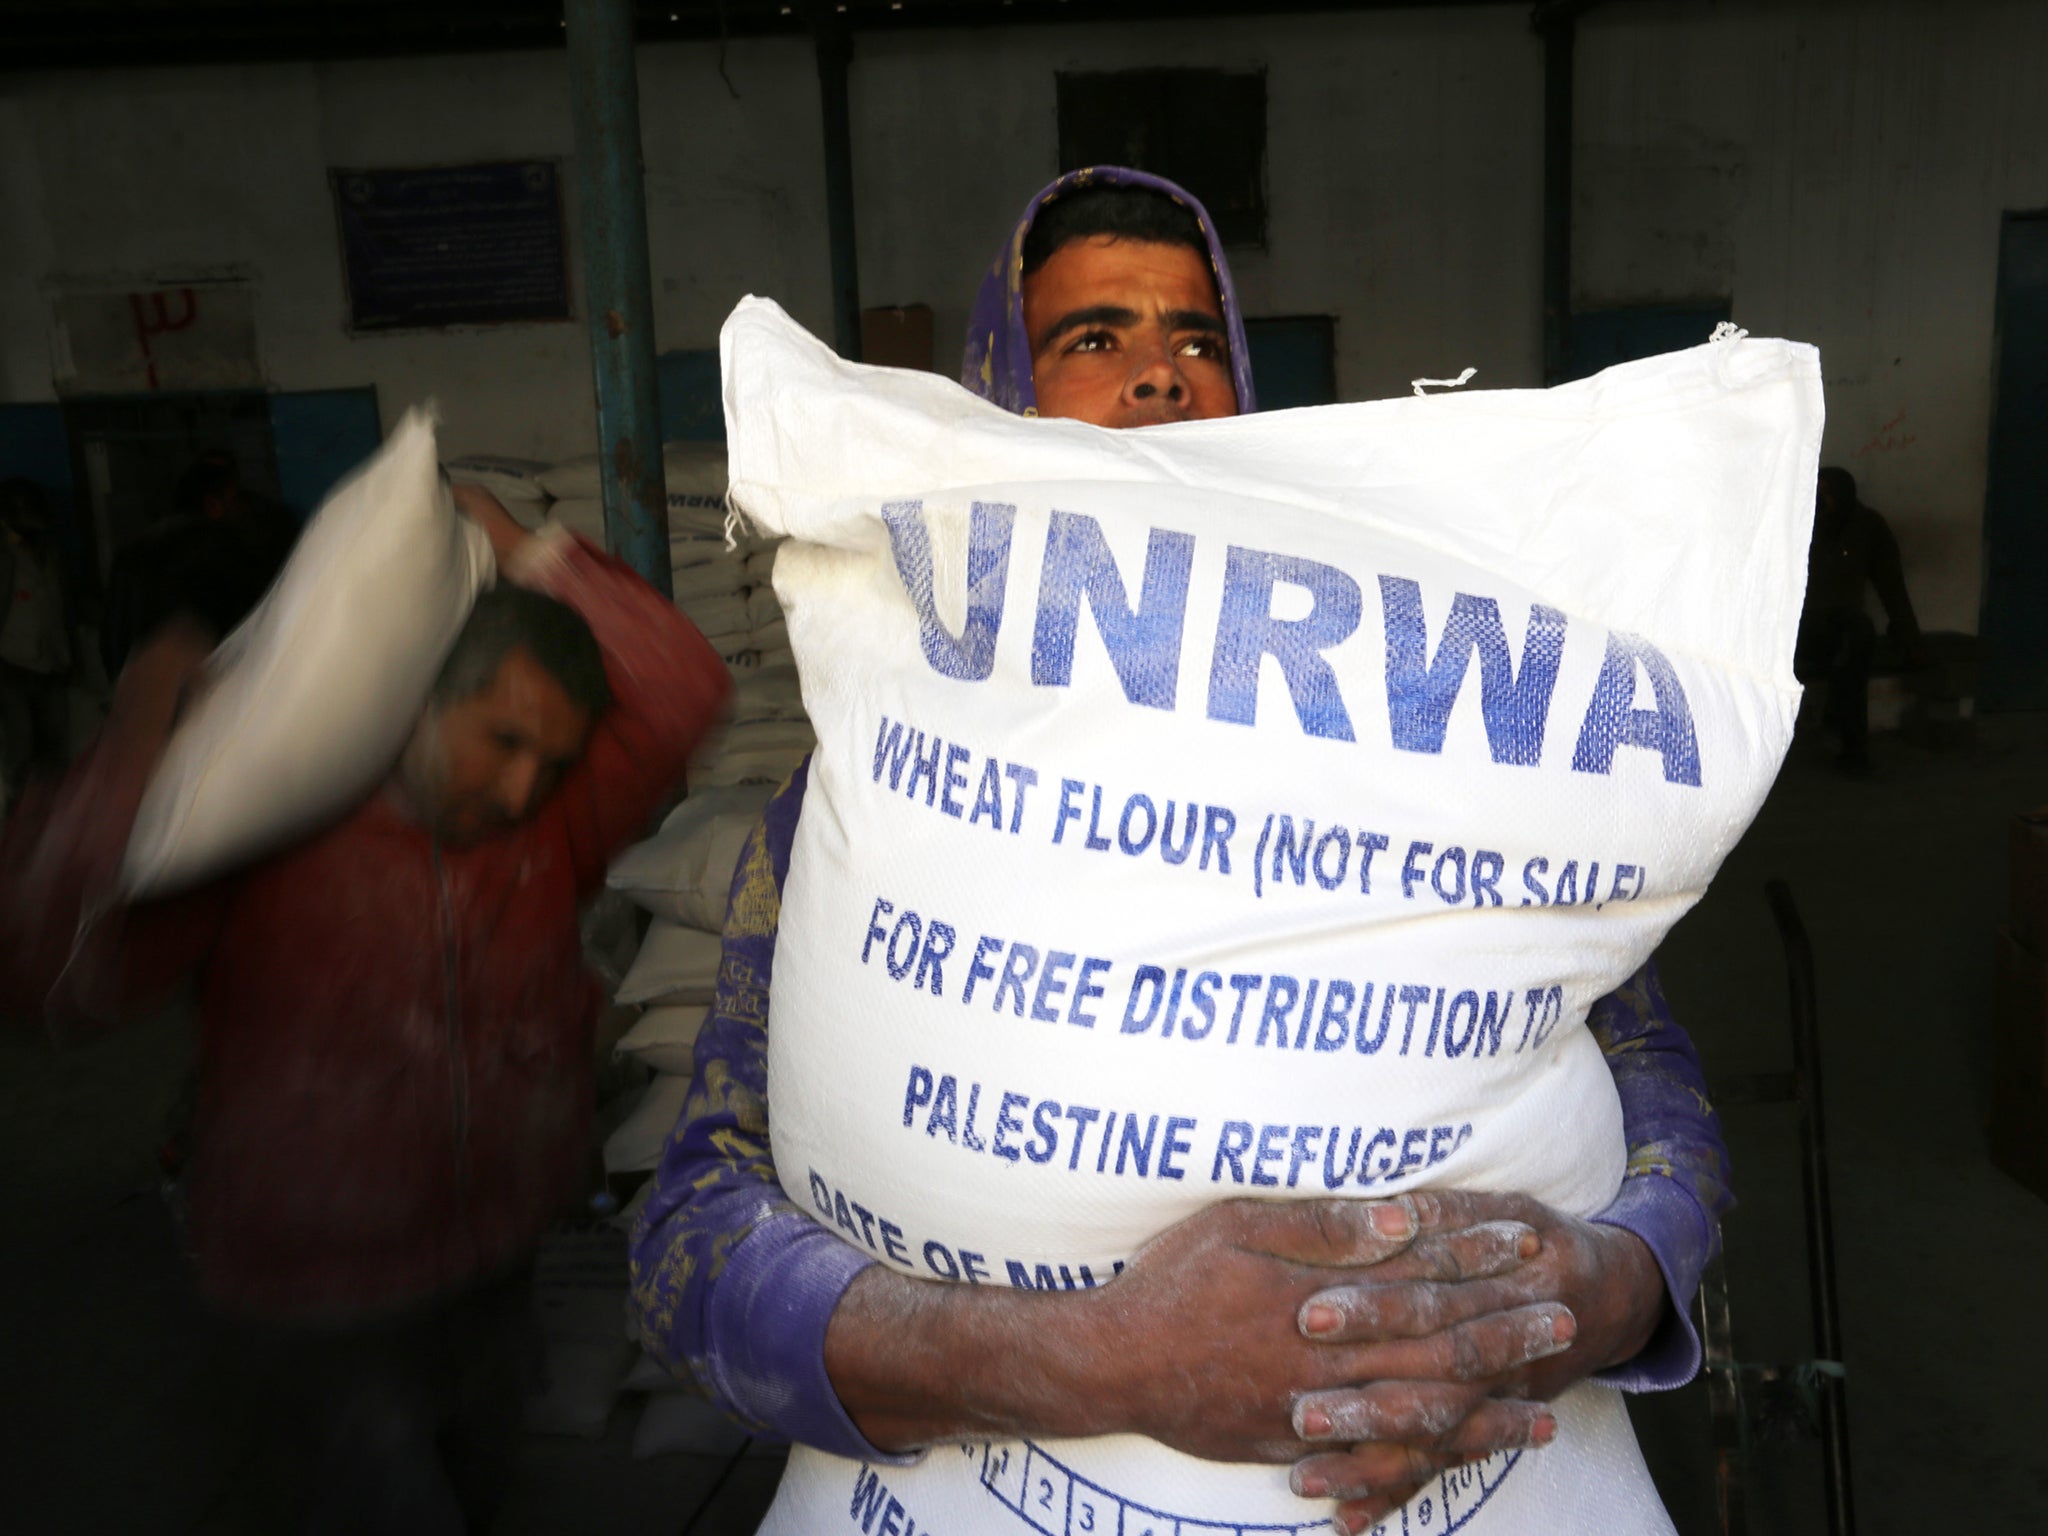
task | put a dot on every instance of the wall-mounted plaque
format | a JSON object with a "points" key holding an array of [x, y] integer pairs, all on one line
{"points": [[452, 245]]}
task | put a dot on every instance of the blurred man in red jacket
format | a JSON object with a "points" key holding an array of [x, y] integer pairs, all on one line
{"points": [[395, 1055]]}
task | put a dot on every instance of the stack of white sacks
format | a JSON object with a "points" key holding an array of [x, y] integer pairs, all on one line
{"points": [[683, 874], [723, 583]]}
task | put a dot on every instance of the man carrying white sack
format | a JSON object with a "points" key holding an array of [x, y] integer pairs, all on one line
{"points": [[1372, 1344], [395, 1053]]}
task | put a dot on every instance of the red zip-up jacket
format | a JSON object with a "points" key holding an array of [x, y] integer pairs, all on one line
{"points": [[395, 1047]]}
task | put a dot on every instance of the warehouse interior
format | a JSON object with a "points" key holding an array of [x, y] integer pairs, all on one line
{"points": [[267, 230]]}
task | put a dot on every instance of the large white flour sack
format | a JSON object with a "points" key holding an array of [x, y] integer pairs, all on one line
{"points": [[1248, 807], [312, 697]]}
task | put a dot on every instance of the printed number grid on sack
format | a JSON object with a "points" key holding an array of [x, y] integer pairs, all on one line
{"points": [[1248, 807]]}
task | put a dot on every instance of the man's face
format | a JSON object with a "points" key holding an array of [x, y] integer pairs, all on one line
{"points": [[1127, 333], [479, 765]]}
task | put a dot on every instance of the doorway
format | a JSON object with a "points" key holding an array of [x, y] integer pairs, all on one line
{"points": [[2012, 621], [128, 453]]}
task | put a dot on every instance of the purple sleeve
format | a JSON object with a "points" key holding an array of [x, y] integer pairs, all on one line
{"points": [[733, 1282], [1675, 1189]]}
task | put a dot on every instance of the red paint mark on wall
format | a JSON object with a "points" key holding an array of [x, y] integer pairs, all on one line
{"points": [[154, 317], [1890, 437]]}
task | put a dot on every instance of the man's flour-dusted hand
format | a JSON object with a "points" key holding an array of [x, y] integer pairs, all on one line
{"points": [[1250, 1329], [1443, 1330], [1194, 1345]]}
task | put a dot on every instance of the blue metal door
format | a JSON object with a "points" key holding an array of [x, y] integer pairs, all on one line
{"points": [[1600, 338], [320, 435], [1294, 360], [2013, 620]]}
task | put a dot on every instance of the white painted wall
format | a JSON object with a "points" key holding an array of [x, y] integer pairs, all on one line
{"points": [[1836, 169], [152, 175], [1404, 173], [1839, 171]]}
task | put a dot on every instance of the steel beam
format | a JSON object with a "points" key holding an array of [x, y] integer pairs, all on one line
{"points": [[618, 293], [1559, 32], [835, 58]]}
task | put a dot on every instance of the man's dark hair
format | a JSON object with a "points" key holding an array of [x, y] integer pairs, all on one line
{"points": [[1843, 483], [509, 618], [1127, 213], [214, 474]]}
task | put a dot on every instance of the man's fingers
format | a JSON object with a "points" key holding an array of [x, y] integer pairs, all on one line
{"points": [[1326, 1233], [1448, 1210], [1421, 1390], [1493, 1425], [1469, 1352], [1415, 1307], [1398, 1412], [1356, 1515], [1371, 1481], [1372, 1471]]}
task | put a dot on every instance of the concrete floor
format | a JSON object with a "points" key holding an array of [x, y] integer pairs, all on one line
{"points": [[120, 1420]]}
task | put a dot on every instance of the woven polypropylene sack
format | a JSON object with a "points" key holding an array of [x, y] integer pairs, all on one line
{"points": [[636, 1146], [514, 481], [583, 516], [684, 872], [1248, 807], [310, 700], [675, 964], [690, 470], [664, 1039]]}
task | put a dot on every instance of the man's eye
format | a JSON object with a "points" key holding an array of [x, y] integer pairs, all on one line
{"points": [[1214, 348], [1093, 341]]}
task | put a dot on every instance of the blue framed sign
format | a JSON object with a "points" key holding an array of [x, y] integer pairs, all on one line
{"points": [[452, 245]]}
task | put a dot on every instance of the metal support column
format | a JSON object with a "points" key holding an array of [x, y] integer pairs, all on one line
{"points": [[617, 291], [835, 56], [1559, 31]]}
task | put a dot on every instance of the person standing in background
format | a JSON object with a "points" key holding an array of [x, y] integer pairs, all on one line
{"points": [[1852, 552], [394, 1019]]}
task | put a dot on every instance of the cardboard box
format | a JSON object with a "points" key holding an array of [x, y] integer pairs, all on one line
{"points": [[2029, 914], [897, 336]]}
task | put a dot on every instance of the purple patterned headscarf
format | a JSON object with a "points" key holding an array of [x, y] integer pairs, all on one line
{"points": [[997, 364]]}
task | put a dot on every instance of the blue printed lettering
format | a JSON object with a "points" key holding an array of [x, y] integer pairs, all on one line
{"points": [[1156, 978], [916, 1095], [1007, 1122], [1231, 1146], [955, 756], [978, 969], [1018, 965], [1420, 693], [969, 656], [1247, 633], [1084, 988], [1612, 720], [1143, 643], [1268, 1153], [1050, 986]]}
